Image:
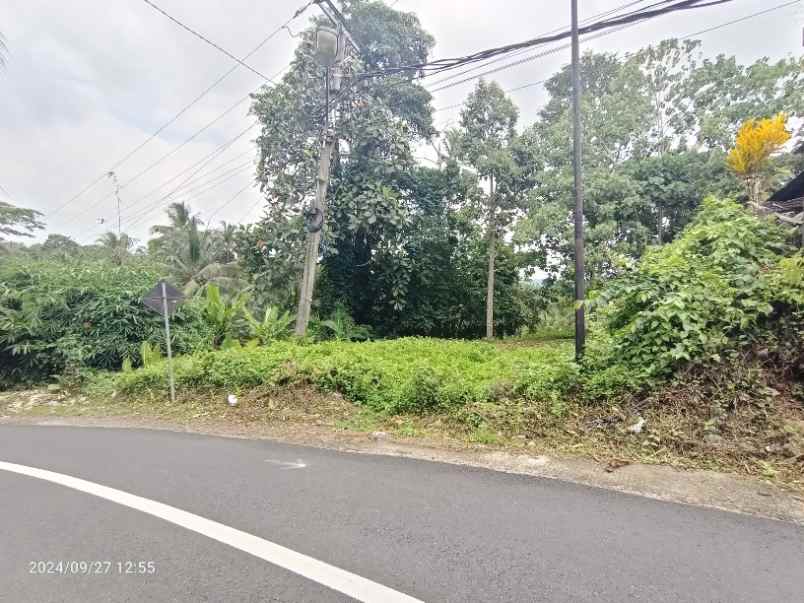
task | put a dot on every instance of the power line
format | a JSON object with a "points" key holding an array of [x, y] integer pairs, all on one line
{"points": [[217, 168], [195, 168], [229, 202], [199, 165], [201, 36], [173, 151], [251, 209], [161, 205], [691, 35], [187, 190], [630, 19], [532, 57], [524, 50], [664, 7], [741, 19], [173, 119], [185, 142]]}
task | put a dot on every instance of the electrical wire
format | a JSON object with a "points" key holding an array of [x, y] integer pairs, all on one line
{"points": [[629, 16], [227, 163], [175, 118], [229, 202], [686, 37], [161, 202], [196, 167], [170, 153], [660, 8], [524, 50], [202, 37], [199, 186], [741, 19]]}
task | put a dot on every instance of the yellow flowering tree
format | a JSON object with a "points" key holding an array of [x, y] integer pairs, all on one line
{"points": [[757, 140]]}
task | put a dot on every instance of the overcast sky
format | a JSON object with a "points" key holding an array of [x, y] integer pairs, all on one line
{"points": [[87, 81]]}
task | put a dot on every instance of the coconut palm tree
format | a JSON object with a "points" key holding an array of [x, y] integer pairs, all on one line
{"points": [[119, 246], [196, 258]]}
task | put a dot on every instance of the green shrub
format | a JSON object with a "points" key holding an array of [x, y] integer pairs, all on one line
{"points": [[340, 326], [275, 325], [81, 313], [149, 354], [224, 316], [709, 291], [412, 374]]}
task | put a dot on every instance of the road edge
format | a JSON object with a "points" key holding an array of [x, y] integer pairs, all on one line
{"points": [[700, 488]]}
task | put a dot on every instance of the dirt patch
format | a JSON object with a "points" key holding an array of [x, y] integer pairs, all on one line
{"points": [[300, 416]]}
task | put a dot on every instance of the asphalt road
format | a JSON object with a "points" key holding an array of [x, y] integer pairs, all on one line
{"points": [[432, 531]]}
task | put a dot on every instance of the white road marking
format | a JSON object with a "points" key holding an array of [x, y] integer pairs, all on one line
{"points": [[333, 577], [299, 464]]}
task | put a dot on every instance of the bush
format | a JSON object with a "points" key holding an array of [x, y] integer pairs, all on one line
{"points": [[81, 314], [712, 290], [412, 374]]}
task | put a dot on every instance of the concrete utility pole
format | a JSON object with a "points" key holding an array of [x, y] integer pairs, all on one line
{"points": [[580, 271], [317, 214], [113, 176], [330, 50], [492, 257]]}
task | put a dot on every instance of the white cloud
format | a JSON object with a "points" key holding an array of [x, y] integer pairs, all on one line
{"points": [[88, 81]]}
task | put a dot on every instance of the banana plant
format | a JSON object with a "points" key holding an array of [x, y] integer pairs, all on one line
{"points": [[274, 325], [221, 314]]}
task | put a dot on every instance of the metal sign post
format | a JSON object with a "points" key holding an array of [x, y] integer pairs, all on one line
{"points": [[167, 340], [165, 299]]}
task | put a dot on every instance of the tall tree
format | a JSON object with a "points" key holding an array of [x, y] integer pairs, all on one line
{"points": [[378, 121], [651, 160], [179, 242], [757, 141], [18, 221], [119, 246], [485, 141]]}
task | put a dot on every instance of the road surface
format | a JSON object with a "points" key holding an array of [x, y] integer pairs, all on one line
{"points": [[337, 523]]}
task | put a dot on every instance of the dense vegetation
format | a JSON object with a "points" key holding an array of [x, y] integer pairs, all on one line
{"points": [[58, 317], [408, 374], [450, 251], [728, 284]]}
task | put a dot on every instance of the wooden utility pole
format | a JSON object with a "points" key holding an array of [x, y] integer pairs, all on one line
{"points": [[317, 214], [580, 272]]}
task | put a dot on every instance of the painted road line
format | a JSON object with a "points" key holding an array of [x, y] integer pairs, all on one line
{"points": [[300, 464], [333, 577]]}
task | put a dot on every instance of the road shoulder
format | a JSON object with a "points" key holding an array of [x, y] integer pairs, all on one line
{"points": [[703, 488]]}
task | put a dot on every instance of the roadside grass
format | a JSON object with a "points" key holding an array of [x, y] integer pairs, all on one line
{"points": [[409, 375], [462, 394]]}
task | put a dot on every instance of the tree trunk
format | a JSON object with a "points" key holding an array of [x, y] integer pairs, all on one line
{"points": [[492, 252]]}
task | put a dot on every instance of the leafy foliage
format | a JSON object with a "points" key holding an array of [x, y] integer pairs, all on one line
{"points": [[340, 326], [411, 374], [224, 316], [81, 313], [692, 300], [17, 221], [757, 141], [275, 325], [650, 161]]}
